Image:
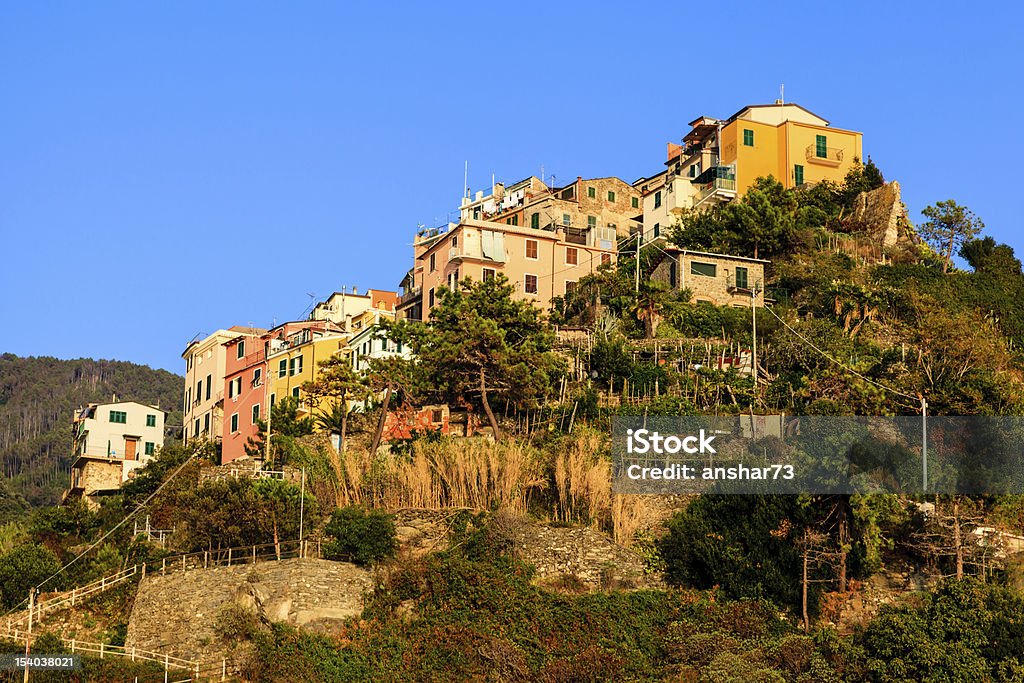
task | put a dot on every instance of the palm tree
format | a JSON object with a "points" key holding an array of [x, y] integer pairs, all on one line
{"points": [[649, 305]]}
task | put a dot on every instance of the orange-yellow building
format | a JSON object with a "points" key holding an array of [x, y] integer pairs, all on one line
{"points": [[721, 158]]}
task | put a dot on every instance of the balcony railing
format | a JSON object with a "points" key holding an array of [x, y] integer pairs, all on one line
{"points": [[722, 188], [411, 295], [833, 156]]}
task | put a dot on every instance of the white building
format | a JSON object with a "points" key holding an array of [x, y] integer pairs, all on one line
{"points": [[109, 442]]}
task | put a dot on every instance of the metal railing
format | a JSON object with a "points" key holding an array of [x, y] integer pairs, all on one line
{"points": [[832, 155]]}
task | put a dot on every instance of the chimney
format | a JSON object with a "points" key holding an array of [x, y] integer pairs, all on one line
{"points": [[355, 291], [499, 190]]}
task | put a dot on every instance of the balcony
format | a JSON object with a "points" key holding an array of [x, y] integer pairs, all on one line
{"points": [[715, 189], [829, 156], [410, 296]]}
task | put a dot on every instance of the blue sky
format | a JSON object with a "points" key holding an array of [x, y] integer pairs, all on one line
{"points": [[170, 168]]}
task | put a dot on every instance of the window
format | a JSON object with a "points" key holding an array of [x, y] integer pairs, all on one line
{"points": [[118, 416], [741, 278], [512, 221], [234, 423], [238, 385], [199, 391], [231, 389], [535, 220], [531, 249], [748, 137], [209, 386], [591, 221], [282, 367], [206, 423], [296, 393], [657, 229], [592, 192], [295, 366], [693, 171], [430, 297], [256, 413], [433, 262], [570, 286], [530, 284], [273, 400], [820, 146], [196, 434], [798, 174], [151, 420], [657, 199], [606, 259], [705, 269], [634, 202], [455, 241], [611, 196], [572, 256], [150, 448], [566, 219], [241, 349], [188, 399], [257, 377], [476, 213], [489, 274]]}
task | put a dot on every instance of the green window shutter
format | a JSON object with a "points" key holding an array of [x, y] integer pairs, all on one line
{"points": [[234, 422], [591, 221], [705, 269], [657, 199], [282, 367], [151, 420], [535, 220], [798, 174], [635, 202], [150, 448], [741, 278], [820, 146], [591, 192], [748, 137], [611, 196]]}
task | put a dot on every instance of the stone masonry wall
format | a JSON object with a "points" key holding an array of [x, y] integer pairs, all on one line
{"points": [[177, 613]]}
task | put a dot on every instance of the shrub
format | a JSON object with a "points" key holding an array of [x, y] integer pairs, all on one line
{"points": [[361, 536]]}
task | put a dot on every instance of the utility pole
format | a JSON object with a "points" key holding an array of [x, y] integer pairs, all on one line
{"points": [[924, 445], [28, 638], [270, 410], [302, 508], [753, 312], [636, 283]]}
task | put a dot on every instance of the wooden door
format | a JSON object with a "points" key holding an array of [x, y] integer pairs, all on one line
{"points": [[130, 446]]}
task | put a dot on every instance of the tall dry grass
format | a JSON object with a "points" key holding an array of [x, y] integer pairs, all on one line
{"points": [[465, 473]]}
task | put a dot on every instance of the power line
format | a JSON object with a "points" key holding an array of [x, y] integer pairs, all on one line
{"points": [[839, 362], [117, 526]]}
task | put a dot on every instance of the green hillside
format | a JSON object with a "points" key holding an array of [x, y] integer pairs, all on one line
{"points": [[37, 398]]}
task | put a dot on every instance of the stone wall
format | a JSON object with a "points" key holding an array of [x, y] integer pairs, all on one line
{"points": [[178, 613]]}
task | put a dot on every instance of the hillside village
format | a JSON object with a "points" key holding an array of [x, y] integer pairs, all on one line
{"points": [[416, 484]]}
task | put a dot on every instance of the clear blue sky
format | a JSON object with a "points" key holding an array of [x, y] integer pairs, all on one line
{"points": [[170, 168]]}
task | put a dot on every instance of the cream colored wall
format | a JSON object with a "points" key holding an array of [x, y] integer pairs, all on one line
{"points": [[100, 430], [207, 360]]}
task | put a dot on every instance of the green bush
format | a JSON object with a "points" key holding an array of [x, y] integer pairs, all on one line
{"points": [[361, 536]]}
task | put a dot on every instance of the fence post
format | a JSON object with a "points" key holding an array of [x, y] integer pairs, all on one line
{"points": [[72, 646], [101, 650], [254, 554], [224, 669], [229, 557], [73, 597], [163, 567], [133, 653], [206, 559], [143, 570], [182, 563]]}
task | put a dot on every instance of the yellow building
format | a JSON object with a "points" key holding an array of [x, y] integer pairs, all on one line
{"points": [[295, 360], [720, 159], [788, 142]]}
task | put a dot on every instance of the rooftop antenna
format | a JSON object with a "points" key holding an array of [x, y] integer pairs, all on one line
{"points": [[465, 181], [782, 93], [542, 173]]}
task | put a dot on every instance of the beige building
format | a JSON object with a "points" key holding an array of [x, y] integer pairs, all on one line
{"points": [[541, 263], [581, 205], [109, 442], [719, 160], [342, 307], [712, 278], [204, 382]]}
